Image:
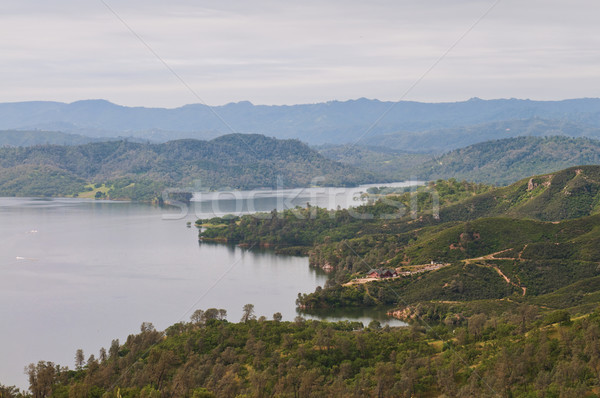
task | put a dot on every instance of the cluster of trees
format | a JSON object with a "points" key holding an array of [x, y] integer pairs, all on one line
{"points": [[141, 171], [39, 180], [289, 228], [308, 226], [518, 354]]}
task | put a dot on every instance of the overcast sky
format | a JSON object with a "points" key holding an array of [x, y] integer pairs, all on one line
{"points": [[283, 52]]}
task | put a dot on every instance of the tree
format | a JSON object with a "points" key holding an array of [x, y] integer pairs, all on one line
{"points": [[197, 317], [41, 378], [384, 375], [374, 325], [277, 317], [10, 392], [113, 351], [476, 324], [79, 359], [248, 313], [147, 327], [102, 355], [211, 313]]}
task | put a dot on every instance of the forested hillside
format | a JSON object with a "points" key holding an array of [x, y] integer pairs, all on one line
{"points": [[141, 171], [519, 354], [392, 164], [532, 238], [499, 162], [505, 161]]}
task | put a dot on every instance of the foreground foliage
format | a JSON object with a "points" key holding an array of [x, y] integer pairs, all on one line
{"points": [[515, 354]]}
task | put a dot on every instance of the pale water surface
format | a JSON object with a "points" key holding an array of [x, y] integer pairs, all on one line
{"points": [[78, 273]]}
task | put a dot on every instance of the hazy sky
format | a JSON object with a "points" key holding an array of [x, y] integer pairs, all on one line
{"points": [[283, 52]]}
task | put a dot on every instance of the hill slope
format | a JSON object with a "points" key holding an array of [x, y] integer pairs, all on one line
{"points": [[236, 161], [391, 164], [531, 238], [506, 161], [563, 195]]}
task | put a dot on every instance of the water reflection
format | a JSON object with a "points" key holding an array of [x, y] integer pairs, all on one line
{"points": [[364, 315]]}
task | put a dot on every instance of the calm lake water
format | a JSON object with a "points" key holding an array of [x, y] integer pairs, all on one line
{"points": [[77, 273]]}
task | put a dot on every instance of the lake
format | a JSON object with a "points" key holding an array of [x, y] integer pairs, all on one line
{"points": [[77, 273]]}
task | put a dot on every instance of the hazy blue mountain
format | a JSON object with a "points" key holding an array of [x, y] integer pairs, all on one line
{"points": [[330, 122], [443, 140]]}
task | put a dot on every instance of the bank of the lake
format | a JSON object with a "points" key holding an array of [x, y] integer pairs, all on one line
{"points": [[76, 273]]}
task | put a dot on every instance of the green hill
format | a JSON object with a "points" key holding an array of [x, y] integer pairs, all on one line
{"points": [[141, 171], [532, 238], [498, 162], [392, 164], [565, 194], [520, 354], [508, 160]]}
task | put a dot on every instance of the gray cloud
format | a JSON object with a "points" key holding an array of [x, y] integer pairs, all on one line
{"points": [[289, 52]]}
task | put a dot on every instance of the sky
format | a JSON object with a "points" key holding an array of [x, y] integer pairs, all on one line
{"points": [[170, 53]]}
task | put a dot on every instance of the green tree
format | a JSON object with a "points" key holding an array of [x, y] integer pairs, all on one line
{"points": [[79, 359], [197, 317], [248, 313]]}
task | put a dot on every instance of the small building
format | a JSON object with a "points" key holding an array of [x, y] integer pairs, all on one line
{"points": [[381, 273]]}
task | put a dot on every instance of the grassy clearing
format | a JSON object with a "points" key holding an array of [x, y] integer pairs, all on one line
{"points": [[93, 190]]}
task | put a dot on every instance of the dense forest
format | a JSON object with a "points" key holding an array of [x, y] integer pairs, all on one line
{"points": [[141, 171], [507, 160], [513, 354], [495, 161]]}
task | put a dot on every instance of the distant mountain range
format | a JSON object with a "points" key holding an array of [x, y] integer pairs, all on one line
{"points": [[330, 122]]}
